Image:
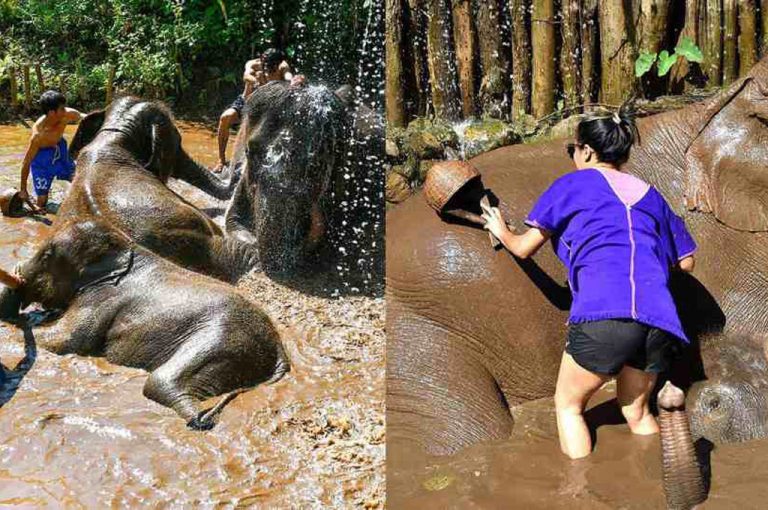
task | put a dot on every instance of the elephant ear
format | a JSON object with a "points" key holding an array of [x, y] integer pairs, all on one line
{"points": [[724, 177], [86, 131], [165, 145], [109, 269]]}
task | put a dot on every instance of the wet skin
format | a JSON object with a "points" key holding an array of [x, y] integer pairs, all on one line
{"points": [[196, 336], [471, 331], [126, 155]]}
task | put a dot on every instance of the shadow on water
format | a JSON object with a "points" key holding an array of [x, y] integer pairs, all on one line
{"points": [[11, 379]]}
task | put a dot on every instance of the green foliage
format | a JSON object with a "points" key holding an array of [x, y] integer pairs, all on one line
{"points": [[166, 48], [686, 49]]}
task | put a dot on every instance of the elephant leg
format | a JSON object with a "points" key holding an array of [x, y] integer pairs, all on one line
{"points": [[188, 377], [440, 395]]}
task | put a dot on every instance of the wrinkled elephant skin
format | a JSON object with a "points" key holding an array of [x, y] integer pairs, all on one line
{"points": [[471, 331], [126, 155], [197, 337]]}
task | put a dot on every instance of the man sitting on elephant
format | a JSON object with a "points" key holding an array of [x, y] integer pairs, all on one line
{"points": [[270, 66], [618, 238]]}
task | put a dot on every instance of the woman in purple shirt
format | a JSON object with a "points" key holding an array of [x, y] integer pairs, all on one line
{"points": [[619, 240]]}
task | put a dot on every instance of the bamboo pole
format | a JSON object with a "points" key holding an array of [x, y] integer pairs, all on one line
{"points": [[764, 27], [690, 29], [396, 116], [40, 79], [730, 57], [543, 42], [111, 85], [14, 87], [417, 36], [710, 34], [493, 64], [588, 50], [747, 36], [442, 69], [464, 40], [521, 58], [617, 53], [652, 25], [569, 54], [27, 88]]}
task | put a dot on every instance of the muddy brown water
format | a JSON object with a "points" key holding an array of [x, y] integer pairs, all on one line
{"points": [[76, 432], [528, 471]]}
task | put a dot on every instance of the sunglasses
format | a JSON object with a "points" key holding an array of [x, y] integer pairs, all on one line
{"points": [[571, 148]]}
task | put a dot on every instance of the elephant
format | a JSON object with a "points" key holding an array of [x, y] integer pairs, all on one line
{"points": [[295, 195], [472, 331], [196, 336], [125, 156]]}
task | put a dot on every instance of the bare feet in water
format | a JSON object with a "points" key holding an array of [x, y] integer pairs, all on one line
{"points": [[219, 168]]}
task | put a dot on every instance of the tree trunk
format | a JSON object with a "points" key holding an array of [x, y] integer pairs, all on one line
{"points": [[680, 70], [417, 33], [710, 34], [14, 87], [396, 116], [764, 31], [40, 79], [110, 85], [730, 58], [543, 42], [747, 36], [652, 25], [521, 58], [569, 53], [617, 53], [442, 67], [62, 84], [588, 49], [27, 89], [464, 39], [493, 64]]}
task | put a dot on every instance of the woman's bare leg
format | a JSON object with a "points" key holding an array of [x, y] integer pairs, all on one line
{"points": [[575, 386], [633, 389]]}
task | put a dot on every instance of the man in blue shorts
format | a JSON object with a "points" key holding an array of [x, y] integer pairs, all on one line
{"points": [[47, 155]]}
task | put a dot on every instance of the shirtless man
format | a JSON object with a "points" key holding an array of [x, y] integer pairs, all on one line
{"points": [[47, 153], [270, 66]]}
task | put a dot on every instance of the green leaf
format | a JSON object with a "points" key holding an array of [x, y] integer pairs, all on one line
{"points": [[688, 49], [644, 63], [666, 61]]}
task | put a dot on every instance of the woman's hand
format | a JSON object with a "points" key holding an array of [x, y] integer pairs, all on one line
{"points": [[494, 223]]}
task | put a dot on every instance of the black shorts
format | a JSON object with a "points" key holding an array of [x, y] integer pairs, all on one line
{"points": [[238, 105], [604, 347]]}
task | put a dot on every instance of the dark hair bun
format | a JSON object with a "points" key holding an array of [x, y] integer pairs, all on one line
{"points": [[610, 135]]}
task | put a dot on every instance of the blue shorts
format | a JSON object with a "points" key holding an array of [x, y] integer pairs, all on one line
{"points": [[50, 163]]}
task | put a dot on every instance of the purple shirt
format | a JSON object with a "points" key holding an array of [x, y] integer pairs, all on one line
{"points": [[618, 239]]}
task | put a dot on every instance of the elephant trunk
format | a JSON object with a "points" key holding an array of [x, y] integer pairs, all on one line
{"points": [[683, 481], [10, 303], [197, 175]]}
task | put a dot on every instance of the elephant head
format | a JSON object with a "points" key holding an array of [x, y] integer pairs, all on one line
{"points": [[147, 130], [727, 160], [79, 255], [732, 404], [291, 145]]}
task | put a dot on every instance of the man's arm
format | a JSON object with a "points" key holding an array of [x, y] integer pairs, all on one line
{"points": [[687, 264], [74, 116], [250, 74], [10, 280], [34, 146]]}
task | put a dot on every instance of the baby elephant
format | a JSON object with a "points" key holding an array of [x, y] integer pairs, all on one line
{"points": [[196, 336]]}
